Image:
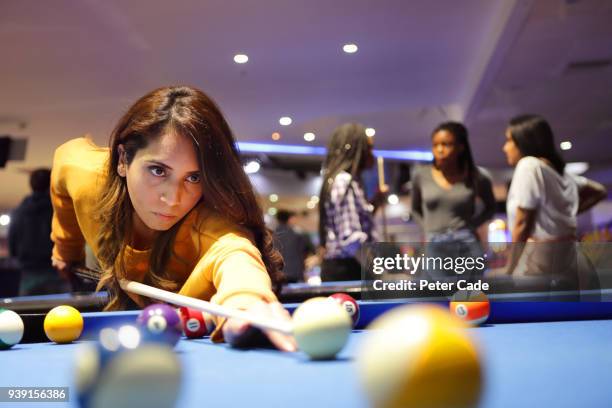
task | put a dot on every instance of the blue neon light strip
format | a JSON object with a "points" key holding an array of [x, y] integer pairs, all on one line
{"points": [[418, 155], [248, 147]]}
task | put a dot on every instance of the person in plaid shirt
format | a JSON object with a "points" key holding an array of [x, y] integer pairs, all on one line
{"points": [[345, 215]]}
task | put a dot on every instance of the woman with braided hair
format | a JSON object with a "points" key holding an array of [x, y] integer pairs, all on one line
{"points": [[345, 214]]}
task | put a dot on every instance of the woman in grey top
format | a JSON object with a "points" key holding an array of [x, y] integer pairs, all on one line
{"points": [[451, 197]]}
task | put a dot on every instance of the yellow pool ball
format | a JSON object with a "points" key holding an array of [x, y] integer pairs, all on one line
{"points": [[419, 356], [63, 324]]}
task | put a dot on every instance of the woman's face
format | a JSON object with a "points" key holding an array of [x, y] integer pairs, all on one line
{"points": [[163, 181], [445, 149], [513, 154]]}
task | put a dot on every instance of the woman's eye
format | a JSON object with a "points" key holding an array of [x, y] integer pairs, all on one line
{"points": [[157, 171], [194, 178]]}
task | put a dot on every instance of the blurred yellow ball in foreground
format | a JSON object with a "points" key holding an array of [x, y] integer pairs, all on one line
{"points": [[419, 356]]}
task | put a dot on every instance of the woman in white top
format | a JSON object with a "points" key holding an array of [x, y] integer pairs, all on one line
{"points": [[543, 201]]}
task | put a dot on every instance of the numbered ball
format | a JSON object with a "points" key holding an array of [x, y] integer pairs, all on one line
{"points": [[349, 304], [321, 328], [471, 306], [195, 323], [160, 323], [63, 324], [11, 329], [121, 371], [419, 356]]}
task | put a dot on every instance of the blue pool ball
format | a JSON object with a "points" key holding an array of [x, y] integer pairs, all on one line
{"points": [[160, 323], [120, 370]]}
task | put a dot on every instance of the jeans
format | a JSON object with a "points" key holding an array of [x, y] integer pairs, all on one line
{"points": [[457, 245]]}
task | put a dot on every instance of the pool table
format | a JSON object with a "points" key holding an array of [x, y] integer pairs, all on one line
{"points": [[533, 359]]}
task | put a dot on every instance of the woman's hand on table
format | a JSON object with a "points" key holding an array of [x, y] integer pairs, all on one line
{"points": [[240, 333]]}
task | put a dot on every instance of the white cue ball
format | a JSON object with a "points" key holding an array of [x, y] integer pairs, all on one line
{"points": [[321, 327], [11, 328]]}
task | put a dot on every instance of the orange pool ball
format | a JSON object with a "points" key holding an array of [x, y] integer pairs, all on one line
{"points": [[63, 324], [471, 306]]}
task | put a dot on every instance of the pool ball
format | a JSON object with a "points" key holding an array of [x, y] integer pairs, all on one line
{"points": [[349, 304], [419, 356], [471, 306], [11, 328], [321, 328], [196, 323], [160, 323], [63, 324], [121, 371]]}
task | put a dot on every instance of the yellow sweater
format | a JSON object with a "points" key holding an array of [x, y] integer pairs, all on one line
{"points": [[223, 265]]}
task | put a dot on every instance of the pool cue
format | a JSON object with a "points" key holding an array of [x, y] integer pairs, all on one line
{"points": [[198, 304], [381, 186], [86, 273], [181, 300]]}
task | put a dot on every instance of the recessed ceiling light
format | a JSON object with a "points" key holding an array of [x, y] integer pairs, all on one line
{"points": [[285, 121], [393, 199], [241, 58], [350, 48], [565, 145], [276, 136], [311, 205], [370, 132], [314, 199], [271, 211], [273, 198], [252, 167], [309, 137], [5, 220]]}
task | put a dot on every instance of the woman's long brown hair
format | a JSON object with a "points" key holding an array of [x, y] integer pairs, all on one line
{"points": [[226, 189]]}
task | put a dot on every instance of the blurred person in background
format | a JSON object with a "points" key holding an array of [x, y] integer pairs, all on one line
{"points": [[452, 197], [293, 245], [30, 239], [543, 201], [345, 214]]}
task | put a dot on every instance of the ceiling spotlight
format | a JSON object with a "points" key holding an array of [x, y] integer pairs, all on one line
{"points": [[370, 132], [393, 199], [272, 211], [241, 58], [309, 137], [273, 198], [285, 121], [311, 205], [314, 199], [350, 48], [276, 136], [565, 145], [252, 167], [5, 220]]}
